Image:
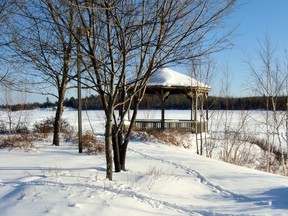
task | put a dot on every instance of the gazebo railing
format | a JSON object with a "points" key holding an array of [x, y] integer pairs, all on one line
{"points": [[187, 125]]}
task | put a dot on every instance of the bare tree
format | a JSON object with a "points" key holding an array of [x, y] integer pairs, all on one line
{"points": [[225, 117], [16, 120], [7, 9], [203, 71], [43, 40], [130, 40], [270, 82], [229, 129]]}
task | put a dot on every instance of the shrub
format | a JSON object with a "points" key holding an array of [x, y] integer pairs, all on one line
{"points": [[3, 129], [70, 136], [89, 143], [23, 141], [65, 126], [44, 126], [47, 126], [21, 128]]}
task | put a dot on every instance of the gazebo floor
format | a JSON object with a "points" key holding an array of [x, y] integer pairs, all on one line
{"points": [[187, 125]]}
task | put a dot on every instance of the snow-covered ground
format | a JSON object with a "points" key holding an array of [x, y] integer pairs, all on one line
{"points": [[161, 180]]}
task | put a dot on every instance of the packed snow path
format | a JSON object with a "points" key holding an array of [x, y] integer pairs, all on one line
{"points": [[161, 180], [197, 176]]}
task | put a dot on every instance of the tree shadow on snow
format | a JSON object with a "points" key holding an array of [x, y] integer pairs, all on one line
{"points": [[276, 198], [100, 169]]}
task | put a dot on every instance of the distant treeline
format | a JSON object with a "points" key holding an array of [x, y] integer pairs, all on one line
{"points": [[173, 102], [216, 103]]}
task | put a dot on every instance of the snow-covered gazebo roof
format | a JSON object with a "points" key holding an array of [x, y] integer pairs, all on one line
{"points": [[167, 79]]}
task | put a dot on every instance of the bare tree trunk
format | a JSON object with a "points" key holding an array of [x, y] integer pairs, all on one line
{"points": [[109, 145], [57, 126], [58, 118], [119, 132], [268, 136], [124, 146], [117, 142], [206, 127]]}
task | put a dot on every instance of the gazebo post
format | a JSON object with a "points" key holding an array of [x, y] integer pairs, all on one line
{"points": [[162, 110], [192, 105], [207, 113], [196, 111], [164, 97], [190, 96], [195, 119]]}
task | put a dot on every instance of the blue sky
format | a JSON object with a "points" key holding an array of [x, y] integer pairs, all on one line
{"points": [[256, 19]]}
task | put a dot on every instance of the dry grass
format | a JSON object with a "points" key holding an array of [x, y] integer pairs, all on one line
{"points": [[91, 145], [70, 136], [23, 141], [263, 144], [155, 172], [171, 137], [168, 137]]}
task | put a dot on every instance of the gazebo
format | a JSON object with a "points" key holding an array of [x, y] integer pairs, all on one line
{"points": [[166, 82]]}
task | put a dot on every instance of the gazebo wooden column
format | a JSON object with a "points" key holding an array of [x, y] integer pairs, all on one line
{"points": [[191, 95], [164, 97]]}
